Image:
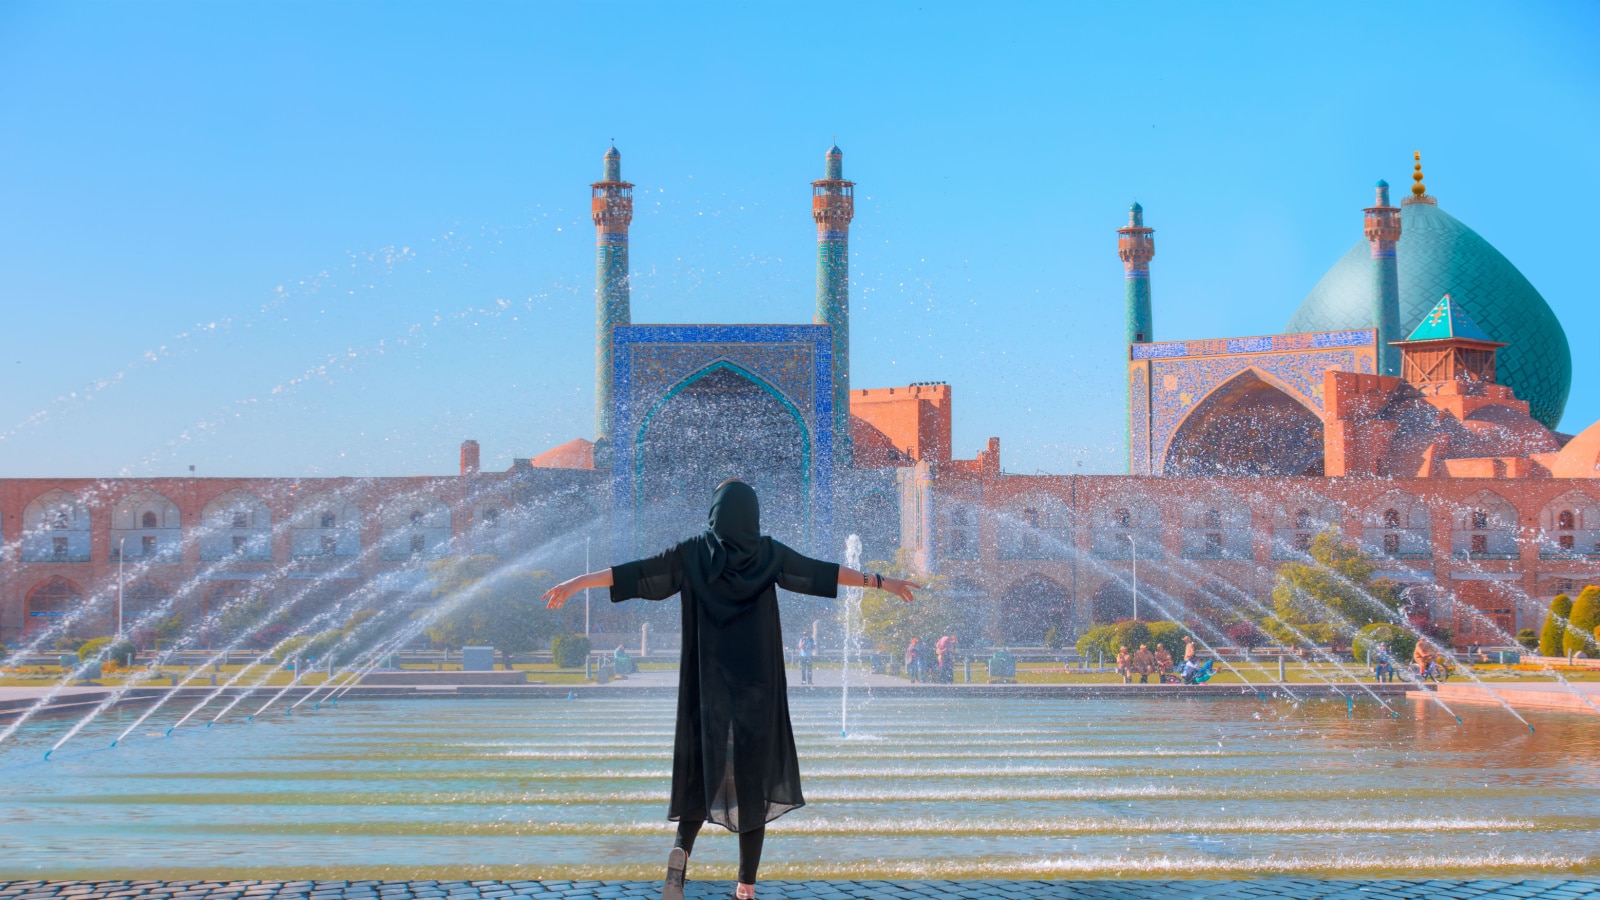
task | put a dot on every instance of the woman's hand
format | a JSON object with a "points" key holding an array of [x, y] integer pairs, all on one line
{"points": [[900, 588], [557, 597]]}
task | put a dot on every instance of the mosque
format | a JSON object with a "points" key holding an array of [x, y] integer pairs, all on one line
{"points": [[1410, 403]]}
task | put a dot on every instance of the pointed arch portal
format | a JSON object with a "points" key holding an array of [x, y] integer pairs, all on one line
{"points": [[722, 422], [1247, 426]]}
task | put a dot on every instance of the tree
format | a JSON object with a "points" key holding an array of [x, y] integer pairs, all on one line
{"points": [[165, 630], [1555, 624], [1579, 634], [890, 623], [254, 621], [1244, 635], [493, 604], [1399, 642], [1333, 595], [1169, 635], [1108, 639]]}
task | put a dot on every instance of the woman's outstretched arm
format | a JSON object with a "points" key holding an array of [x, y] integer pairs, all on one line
{"points": [[557, 596], [900, 588]]}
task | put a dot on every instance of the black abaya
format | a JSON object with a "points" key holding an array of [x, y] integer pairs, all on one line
{"points": [[734, 760]]}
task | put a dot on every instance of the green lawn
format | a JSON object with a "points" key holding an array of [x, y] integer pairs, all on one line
{"points": [[1027, 673]]}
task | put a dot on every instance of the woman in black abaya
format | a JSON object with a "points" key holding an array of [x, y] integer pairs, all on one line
{"points": [[733, 760]]}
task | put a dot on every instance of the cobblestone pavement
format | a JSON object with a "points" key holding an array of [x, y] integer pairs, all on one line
{"points": [[1393, 889]]}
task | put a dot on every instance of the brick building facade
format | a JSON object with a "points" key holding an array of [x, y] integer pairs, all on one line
{"points": [[1242, 450]]}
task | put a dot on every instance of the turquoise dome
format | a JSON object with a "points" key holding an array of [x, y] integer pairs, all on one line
{"points": [[1439, 255]]}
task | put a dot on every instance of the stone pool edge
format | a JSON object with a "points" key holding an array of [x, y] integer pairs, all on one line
{"points": [[81, 699], [1267, 887]]}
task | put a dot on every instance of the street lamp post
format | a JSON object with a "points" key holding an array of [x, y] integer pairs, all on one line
{"points": [[122, 543], [586, 590], [1135, 575]]}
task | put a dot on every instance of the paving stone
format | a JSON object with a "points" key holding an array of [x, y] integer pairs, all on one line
{"points": [[1264, 889]]}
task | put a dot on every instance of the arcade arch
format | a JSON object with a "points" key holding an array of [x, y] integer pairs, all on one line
{"points": [[1217, 527], [324, 524], [55, 528], [1125, 525], [1247, 426], [722, 422], [236, 524], [1396, 526], [1569, 526], [490, 526], [1296, 523], [1484, 527], [415, 525], [1035, 526], [146, 525], [1029, 608], [50, 601], [1113, 602]]}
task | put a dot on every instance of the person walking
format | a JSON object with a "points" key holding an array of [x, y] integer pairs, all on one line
{"points": [[733, 761], [946, 648], [925, 661], [1125, 664], [913, 660], [808, 650]]}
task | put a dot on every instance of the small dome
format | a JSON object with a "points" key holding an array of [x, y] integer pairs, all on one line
{"points": [[1135, 207], [1437, 254], [1381, 183], [835, 151], [613, 152]]}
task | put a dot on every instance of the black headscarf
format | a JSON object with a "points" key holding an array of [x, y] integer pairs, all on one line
{"points": [[741, 562]]}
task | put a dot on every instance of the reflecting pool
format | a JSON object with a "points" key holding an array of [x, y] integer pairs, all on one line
{"points": [[944, 787]]}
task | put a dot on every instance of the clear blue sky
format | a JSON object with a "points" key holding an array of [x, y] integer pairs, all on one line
{"points": [[297, 238]]}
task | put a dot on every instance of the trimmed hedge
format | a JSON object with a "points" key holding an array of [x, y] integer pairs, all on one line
{"points": [[290, 648], [322, 644], [108, 648], [1392, 638], [1579, 636], [1554, 626], [1107, 638], [1169, 635], [570, 650], [1529, 639]]}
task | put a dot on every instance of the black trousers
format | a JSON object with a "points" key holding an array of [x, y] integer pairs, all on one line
{"points": [[749, 846]]}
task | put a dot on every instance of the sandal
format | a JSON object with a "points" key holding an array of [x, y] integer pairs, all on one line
{"points": [[677, 862]]}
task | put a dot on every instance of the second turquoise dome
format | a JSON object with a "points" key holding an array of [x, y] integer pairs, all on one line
{"points": [[1439, 255]]}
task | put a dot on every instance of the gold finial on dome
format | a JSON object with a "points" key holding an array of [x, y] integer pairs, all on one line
{"points": [[1419, 191]]}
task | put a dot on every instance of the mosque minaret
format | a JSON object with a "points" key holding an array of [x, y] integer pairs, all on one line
{"points": [[1382, 227], [1136, 245], [833, 206], [612, 210]]}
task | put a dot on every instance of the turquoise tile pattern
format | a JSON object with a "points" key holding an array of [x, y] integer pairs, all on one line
{"points": [[1447, 320], [1169, 381], [833, 208], [1438, 255]]}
